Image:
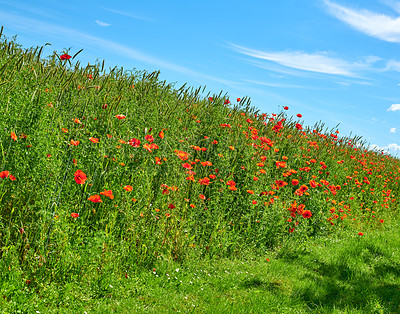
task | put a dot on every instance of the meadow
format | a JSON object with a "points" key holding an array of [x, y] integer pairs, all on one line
{"points": [[120, 192]]}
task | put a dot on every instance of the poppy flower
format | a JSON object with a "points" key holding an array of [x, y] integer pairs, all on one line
{"points": [[295, 182], [65, 57], [120, 116], [13, 136], [149, 138], [299, 115], [182, 155], [94, 139], [74, 215], [286, 108], [171, 206], [201, 196], [238, 99], [226, 102], [4, 174], [161, 134], [80, 177], [64, 130], [360, 234], [128, 188], [134, 142], [107, 193], [204, 181], [299, 126], [187, 166], [306, 214], [95, 199], [12, 178], [74, 143]]}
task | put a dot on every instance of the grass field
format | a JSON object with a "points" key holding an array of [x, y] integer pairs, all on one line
{"points": [[120, 192]]}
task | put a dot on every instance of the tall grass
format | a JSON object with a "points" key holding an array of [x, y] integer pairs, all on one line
{"points": [[112, 170]]}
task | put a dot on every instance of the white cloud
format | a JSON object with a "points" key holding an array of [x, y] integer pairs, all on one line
{"points": [[394, 107], [392, 130], [132, 16], [377, 25], [393, 146], [393, 65], [102, 23], [320, 62]]}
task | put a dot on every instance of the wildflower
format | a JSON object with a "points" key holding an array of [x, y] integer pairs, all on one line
{"points": [[206, 163], [182, 155], [95, 199], [149, 138], [80, 177], [12, 178], [238, 99], [171, 206], [74, 215], [280, 164], [4, 174], [107, 193], [306, 214], [120, 116], [254, 202], [65, 57], [94, 139], [299, 115], [13, 136], [128, 188], [299, 126], [360, 234], [134, 142], [64, 130], [201, 196], [161, 134], [204, 181], [226, 101], [295, 182], [250, 191], [286, 108], [74, 143]]}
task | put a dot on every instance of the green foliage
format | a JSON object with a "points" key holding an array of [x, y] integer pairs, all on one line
{"points": [[176, 174]]}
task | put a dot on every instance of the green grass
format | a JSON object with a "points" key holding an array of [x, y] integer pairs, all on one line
{"points": [[108, 174]]}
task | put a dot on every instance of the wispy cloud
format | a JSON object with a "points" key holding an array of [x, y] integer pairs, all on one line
{"points": [[393, 65], [130, 15], [394, 107], [102, 23], [34, 26], [320, 62], [391, 148], [377, 25], [392, 130], [281, 85]]}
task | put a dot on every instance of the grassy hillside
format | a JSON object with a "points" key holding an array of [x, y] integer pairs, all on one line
{"points": [[107, 173]]}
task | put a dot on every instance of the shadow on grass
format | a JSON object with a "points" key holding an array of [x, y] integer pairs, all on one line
{"points": [[362, 279]]}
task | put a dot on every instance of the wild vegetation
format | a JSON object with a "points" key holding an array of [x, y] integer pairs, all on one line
{"points": [[108, 176]]}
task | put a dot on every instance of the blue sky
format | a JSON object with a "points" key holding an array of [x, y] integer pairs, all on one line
{"points": [[335, 61]]}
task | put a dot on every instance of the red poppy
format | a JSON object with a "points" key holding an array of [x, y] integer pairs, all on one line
{"points": [[299, 115], [120, 116], [94, 139], [107, 193], [182, 155], [95, 199], [226, 101], [128, 188], [134, 142], [295, 182], [12, 178], [149, 138], [13, 136], [201, 196], [306, 214], [4, 174], [187, 166], [299, 126], [171, 206], [74, 215], [80, 177], [286, 108], [238, 99], [210, 99], [360, 234], [161, 134], [65, 57], [204, 181], [74, 143]]}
